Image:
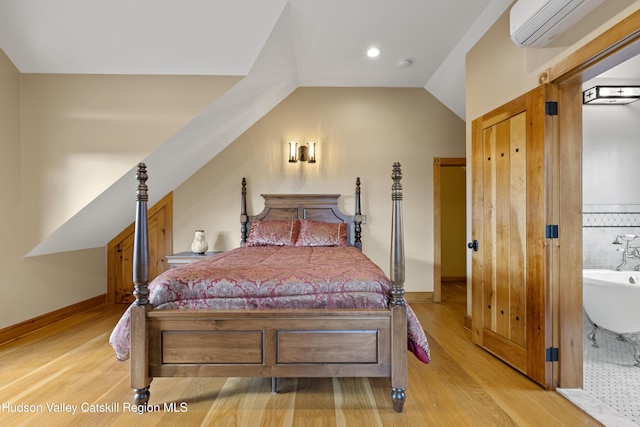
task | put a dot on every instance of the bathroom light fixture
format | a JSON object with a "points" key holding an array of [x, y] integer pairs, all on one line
{"points": [[304, 153], [605, 95]]}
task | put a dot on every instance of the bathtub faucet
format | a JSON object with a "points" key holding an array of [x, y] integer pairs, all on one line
{"points": [[628, 252]]}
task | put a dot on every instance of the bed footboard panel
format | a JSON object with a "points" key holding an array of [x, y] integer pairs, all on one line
{"points": [[221, 347], [293, 343]]}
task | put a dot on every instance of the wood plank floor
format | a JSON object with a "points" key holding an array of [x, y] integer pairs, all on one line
{"points": [[70, 366]]}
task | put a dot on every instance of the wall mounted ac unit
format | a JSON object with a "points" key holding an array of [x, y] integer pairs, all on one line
{"points": [[535, 23]]}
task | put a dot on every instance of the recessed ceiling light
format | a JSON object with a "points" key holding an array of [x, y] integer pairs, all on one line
{"points": [[373, 52]]}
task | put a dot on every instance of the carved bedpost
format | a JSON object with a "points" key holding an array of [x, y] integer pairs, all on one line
{"points": [[397, 239], [140, 380], [398, 304], [141, 240], [357, 242], [244, 219]]}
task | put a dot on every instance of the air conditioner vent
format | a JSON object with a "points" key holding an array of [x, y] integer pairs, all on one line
{"points": [[535, 23]]}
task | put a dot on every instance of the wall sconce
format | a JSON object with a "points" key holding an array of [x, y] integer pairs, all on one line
{"points": [[604, 95], [304, 153]]}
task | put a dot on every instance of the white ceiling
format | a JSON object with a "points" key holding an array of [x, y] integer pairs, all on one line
{"points": [[224, 37], [277, 45], [136, 37]]}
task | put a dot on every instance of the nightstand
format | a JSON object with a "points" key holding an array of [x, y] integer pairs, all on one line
{"points": [[182, 258]]}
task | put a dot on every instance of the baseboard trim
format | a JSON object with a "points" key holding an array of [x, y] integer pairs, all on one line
{"points": [[418, 297], [453, 279], [13, 332], [467, 322]]}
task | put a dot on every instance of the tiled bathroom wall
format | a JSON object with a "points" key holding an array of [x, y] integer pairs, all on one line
{"points": [[600, 226]]}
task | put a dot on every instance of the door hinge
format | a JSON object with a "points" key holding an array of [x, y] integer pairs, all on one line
{"points": [[551, 108], [551, 231], [552, 354]]}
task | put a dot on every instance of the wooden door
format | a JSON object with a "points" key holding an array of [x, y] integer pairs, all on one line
{"points": [[120, 252], [512, 160]]}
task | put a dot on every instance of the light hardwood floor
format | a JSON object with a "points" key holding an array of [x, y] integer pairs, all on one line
{"points": [[71, 363]]}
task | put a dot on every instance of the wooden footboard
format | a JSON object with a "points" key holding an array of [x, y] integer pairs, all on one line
{"points": [[268, 343]]}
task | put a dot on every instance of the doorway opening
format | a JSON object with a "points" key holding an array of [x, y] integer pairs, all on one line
{"points": [[449, 222]]}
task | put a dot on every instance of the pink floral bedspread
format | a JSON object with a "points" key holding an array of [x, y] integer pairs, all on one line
{"points": [[265, 277]]}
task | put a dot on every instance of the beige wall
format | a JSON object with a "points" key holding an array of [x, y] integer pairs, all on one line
{"points": [[80, 133], [498, 71], [359, 132], [64, 139], [31, 287]]}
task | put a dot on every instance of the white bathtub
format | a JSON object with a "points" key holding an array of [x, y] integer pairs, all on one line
{"points": [[612, 302]]}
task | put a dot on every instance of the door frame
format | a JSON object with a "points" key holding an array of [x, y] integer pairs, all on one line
{"points": [[611, 48], [438, 163]]}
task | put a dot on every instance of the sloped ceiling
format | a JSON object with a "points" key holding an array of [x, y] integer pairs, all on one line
{"points": [[277, 45], [225, 37]]}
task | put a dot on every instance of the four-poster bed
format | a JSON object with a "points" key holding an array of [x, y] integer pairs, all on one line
{"points": [[297, 299]]}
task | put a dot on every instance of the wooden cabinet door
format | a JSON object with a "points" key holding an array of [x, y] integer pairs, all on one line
{"points": [[120, 270], [511, 206], [120, 252]]}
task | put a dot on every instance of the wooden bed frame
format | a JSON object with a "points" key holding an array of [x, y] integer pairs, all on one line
{"points": [[273, 343]]}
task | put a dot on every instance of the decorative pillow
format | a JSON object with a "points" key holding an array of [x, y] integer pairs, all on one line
{"points": [[276, 232], [316, 233]]}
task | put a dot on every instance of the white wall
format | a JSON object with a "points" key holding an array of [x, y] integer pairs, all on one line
{"points": [[611, 158], [611, 194]]}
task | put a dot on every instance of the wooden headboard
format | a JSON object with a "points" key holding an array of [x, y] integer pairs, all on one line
{"points": [[315, 207]]}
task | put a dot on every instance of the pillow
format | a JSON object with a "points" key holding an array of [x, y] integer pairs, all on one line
{"points": [[276, 232], [316, 233]]}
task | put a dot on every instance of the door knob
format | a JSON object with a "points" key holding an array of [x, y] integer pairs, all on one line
{"points": [[473, 245]]}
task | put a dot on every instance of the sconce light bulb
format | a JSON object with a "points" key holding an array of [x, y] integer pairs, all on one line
{"points": [[312, 152], [293, 151]]}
